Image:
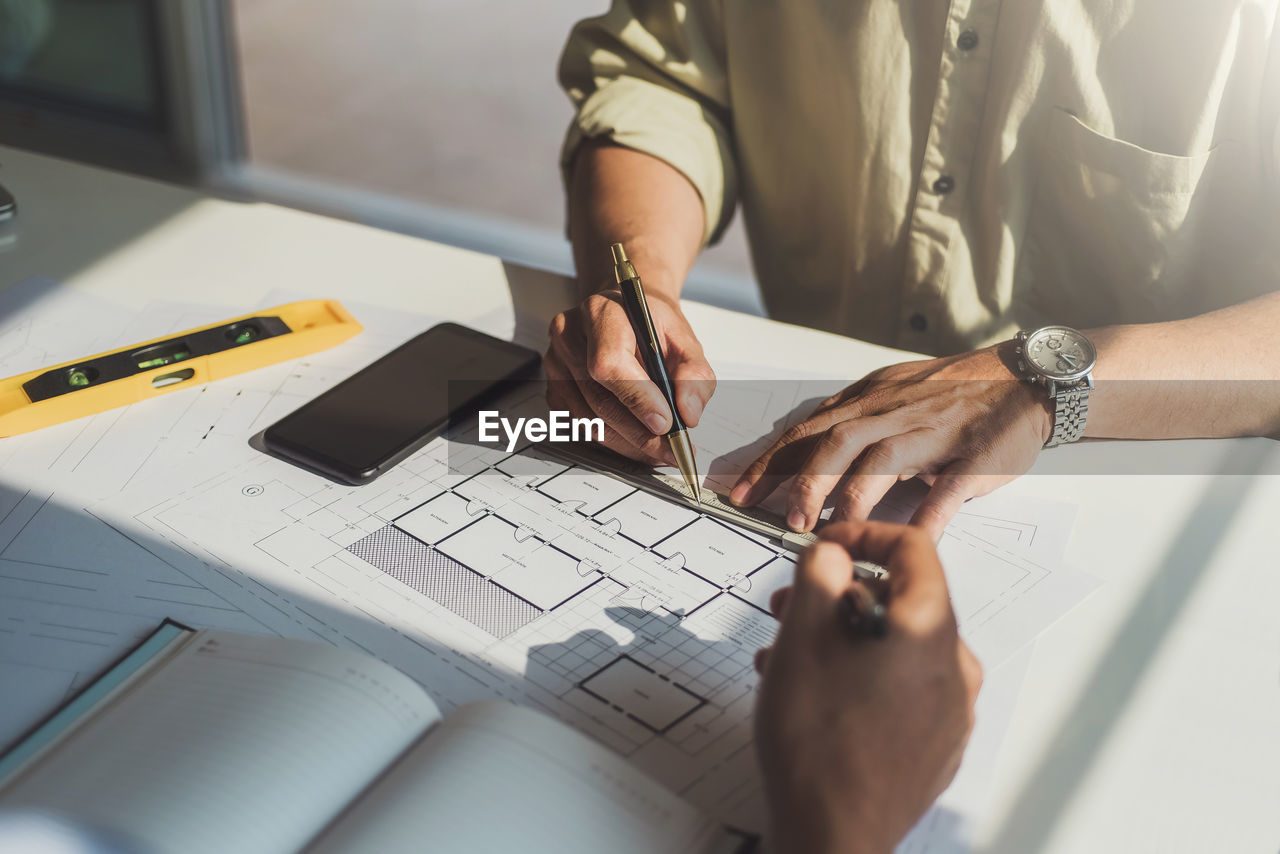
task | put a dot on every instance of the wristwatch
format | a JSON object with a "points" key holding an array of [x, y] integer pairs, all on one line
{"points": [[1061, 359]]}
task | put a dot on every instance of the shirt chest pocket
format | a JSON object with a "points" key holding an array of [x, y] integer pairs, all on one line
{"points": [[1112, 230]]}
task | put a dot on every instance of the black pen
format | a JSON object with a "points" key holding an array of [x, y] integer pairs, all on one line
{"points": [[861, 612], [655, 364]]}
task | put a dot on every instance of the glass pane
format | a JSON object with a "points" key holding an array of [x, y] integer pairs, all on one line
{"points": [[95, 54], [452, 103]]}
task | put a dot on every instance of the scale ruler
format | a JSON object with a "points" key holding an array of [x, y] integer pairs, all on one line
{"points": [[673, 489]]}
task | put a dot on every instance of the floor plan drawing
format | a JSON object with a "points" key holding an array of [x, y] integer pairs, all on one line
{"points": [[630, 616], [586, 579], [480, 574]]}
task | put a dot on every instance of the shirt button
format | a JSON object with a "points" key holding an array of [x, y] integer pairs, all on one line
{"points": [[918, 323], [945, 184], [967, 41]]}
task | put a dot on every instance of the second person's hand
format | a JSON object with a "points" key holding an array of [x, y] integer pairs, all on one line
{"points": [[857, 736], [593, 371], [964, 424]]}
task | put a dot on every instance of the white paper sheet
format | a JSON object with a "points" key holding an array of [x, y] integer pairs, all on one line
{"points": [[480, 575], [633, 619]]}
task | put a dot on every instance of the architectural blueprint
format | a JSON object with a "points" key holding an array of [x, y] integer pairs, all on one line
{"points": [[632, 617], [480, 574]]}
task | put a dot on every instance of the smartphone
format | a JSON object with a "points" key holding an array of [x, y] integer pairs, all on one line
{"points": [[373, 420]]}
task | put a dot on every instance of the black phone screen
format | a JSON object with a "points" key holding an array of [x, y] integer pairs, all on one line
{"points": [[377, 417]]}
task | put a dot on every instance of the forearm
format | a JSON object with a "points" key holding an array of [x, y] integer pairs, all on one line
{"points": [[619, 195], [1215, 375]]}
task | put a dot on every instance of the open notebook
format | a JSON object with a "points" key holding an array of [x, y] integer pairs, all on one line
{"points": [[210, 741]]}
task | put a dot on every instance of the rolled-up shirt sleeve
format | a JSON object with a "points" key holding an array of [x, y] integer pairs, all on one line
{"points": [[650, 75]]}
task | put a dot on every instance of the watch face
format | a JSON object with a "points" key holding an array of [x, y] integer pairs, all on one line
{"points": [[1059, 353]]}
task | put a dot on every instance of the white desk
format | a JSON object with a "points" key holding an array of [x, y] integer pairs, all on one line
{"points": [[1148, 720]]}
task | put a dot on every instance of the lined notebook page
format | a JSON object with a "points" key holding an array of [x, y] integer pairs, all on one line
{"points": [[239, 743], [496, 779]]}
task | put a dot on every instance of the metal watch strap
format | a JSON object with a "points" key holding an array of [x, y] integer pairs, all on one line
{"points": [[1070, 410]]}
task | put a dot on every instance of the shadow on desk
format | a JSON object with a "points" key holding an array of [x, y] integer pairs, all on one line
{"points": [[1088, 724]]}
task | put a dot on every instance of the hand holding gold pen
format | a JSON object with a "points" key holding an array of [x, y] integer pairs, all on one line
{"points": [[862, 612], [654, 361]]}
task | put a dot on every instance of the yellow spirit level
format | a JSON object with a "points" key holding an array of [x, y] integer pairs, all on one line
{"points": [[88, 386]]}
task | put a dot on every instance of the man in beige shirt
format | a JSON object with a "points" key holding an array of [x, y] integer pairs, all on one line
{"points": [[936, 175]]}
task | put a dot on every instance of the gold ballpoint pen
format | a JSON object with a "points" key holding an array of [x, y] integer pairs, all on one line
{"points": [[655, 365]]}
